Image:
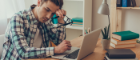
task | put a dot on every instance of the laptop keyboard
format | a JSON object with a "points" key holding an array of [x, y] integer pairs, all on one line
{"points": [[73, 55]]}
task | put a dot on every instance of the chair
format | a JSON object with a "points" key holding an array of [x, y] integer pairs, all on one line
{"points": [[1, 43]]}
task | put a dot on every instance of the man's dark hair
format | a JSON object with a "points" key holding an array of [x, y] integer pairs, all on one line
{"points": [[57, 2]]}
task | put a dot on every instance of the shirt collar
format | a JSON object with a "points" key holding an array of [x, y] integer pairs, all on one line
{"points": [[31, 16]]}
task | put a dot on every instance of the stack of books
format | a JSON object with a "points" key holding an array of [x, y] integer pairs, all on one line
{"points": [[77, 21], [124, 39], [126, 3], [120, 54]]}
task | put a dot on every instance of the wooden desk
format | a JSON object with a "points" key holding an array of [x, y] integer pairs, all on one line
{"points": [[99, 53]]}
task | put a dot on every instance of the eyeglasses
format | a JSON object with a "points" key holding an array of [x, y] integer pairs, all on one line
{"points": [[67, 21]]}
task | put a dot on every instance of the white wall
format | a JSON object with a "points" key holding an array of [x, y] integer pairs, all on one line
{"points": [[130, 20], [28, 3]]}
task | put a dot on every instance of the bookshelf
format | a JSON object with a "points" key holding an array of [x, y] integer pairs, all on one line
{"points": [[78, 8], [128, 7], [116, 16]]}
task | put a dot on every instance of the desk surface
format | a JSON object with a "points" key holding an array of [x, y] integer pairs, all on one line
{"points": [[99, 53]]}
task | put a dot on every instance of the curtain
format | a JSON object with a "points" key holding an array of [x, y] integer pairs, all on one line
{"points": [[7, 10]]}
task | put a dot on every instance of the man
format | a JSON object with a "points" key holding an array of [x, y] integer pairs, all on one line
{"points": [[29, 32]]}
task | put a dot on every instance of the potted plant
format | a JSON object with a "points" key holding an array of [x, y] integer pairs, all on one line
{"points": [[106, 39]]}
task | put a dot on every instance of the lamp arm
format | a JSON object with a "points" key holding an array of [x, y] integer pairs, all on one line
{"points": [[109, 19]]}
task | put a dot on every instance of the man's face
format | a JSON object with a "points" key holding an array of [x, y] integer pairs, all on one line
{"points": [[46, 11]]}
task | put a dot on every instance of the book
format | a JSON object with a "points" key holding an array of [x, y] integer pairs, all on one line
{"points": [[122, 45], [77, 25], [120, 54], [125, 35], [118, 42], [77, 19], [119, 59], [129, 3], [124, 3], [133, 3], [78, 22], [119, 3]]}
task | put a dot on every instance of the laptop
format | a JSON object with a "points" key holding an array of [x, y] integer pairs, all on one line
{"points": [[87, 47]]}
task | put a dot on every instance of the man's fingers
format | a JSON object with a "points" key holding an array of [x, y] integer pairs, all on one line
{"points": [[64, 12], [68, 42], [61, 13], [68, 48], [68, 45]]}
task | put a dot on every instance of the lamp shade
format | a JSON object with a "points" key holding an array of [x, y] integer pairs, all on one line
{"points": [[104, 9]]}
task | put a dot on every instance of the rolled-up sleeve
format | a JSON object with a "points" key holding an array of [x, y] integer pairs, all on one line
{"points": [[57, 34]]}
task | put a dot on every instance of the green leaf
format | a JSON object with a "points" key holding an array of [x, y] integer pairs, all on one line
{"points": [[103, 33], [108, 31]]}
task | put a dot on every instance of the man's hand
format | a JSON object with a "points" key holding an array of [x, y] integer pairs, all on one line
{"points": [[62, 47], [61, 14]]}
